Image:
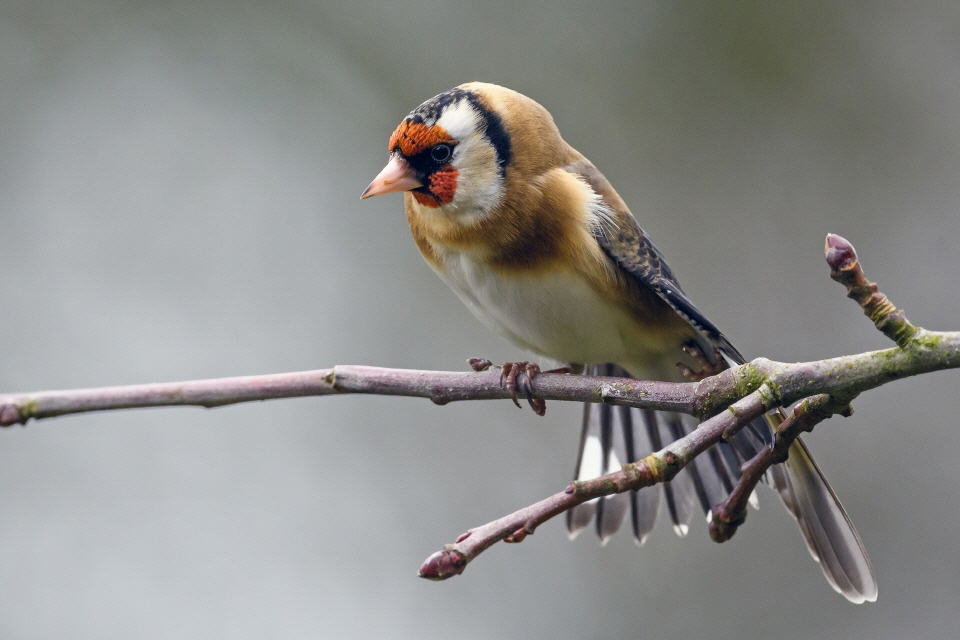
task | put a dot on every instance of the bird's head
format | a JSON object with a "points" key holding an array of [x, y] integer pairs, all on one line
{"points": [[455, 152]]}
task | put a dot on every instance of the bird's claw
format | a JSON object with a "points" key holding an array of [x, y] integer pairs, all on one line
{"points": [[707, 368], [508, 378]]}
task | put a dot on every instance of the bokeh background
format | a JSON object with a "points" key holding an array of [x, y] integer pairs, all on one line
{"points": [[178, 199]]}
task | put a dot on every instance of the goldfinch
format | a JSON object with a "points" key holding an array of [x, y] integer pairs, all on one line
{"points": [[536, 242]]}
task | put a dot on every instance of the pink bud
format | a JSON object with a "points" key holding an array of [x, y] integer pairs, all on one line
{"points": [[516, 536], [839, 252], [442, 565]]}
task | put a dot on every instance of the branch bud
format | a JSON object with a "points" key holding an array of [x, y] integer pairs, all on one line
{"points": [[839, 252], [442, 565]]}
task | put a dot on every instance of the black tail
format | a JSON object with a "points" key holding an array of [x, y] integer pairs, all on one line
{"points": [[613, 436]]}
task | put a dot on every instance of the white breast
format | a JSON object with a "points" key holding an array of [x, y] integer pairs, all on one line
{"points": [[556, 315]]}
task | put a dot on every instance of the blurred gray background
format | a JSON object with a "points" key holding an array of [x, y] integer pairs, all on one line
{"points": [[179, 199]]}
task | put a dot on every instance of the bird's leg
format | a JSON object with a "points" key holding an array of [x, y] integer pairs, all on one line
{"points": [[482, 364], [707, 368], [509, 373]]}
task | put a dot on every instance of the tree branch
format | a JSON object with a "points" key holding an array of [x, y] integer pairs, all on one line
{"points": [[824, 388], [732, 512], [723, 402], [845, 268], [439, 386], [655, 468], [847, 375]]}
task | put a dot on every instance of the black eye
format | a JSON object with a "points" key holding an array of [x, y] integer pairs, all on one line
{"points": [[441, 153]]}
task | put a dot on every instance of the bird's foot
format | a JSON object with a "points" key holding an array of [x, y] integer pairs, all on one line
{"points": [[508, 378], [707, 368]]}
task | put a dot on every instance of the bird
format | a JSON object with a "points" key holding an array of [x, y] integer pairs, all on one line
{"points": [[540, 247]]}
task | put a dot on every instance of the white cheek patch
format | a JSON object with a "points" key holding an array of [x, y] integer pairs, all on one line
{"points": [[479, 183], [460, 120]]}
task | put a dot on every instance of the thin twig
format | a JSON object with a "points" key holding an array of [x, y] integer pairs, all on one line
{"points": [[439, 386], [844, 376], [845, 268], [657, 467], [728, 515]]}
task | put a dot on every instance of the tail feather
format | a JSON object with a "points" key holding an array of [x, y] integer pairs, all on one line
{"points": [[703, 493], [603, 449], [830, 535], [679, 492], [731, 461], [589, 465], [644, 503], [611, 510], [780, 481], [711, 480], [612, 436], [723, 474]]}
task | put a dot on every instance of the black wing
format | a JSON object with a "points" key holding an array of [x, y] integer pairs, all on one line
{"points": [[633, 251]]}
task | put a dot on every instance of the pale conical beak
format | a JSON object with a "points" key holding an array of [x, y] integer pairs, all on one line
{"points": [[398, 175]]}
